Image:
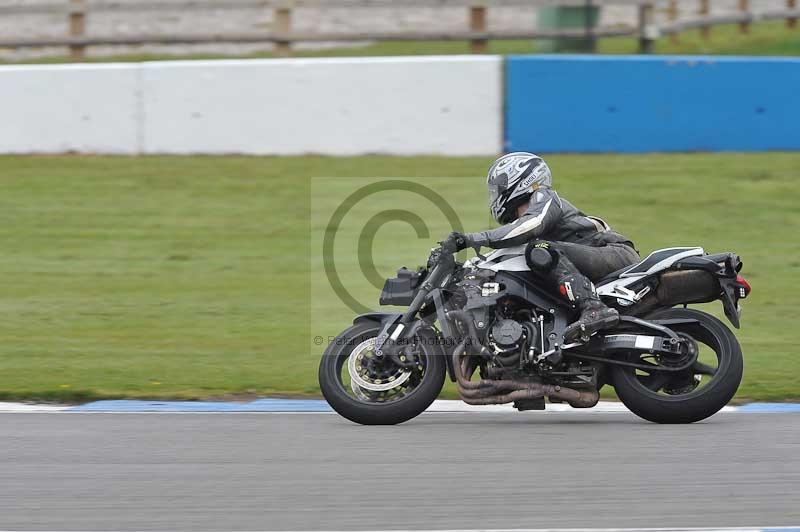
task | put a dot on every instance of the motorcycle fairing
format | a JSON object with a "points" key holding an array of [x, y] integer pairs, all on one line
{"points": [[506, 259], [656, 262], [661, 260], [615, 286]]}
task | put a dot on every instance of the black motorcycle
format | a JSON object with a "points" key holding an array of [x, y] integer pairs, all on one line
{"points": [[668, 363]]}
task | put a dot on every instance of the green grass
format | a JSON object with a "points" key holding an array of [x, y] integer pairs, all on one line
{"points": [[190, 277], [764, 38]]}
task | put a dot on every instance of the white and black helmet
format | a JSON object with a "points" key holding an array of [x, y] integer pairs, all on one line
{"points": [[511, 181]]}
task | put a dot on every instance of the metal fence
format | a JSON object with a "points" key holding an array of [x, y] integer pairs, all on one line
{"points": [[77, 39]]}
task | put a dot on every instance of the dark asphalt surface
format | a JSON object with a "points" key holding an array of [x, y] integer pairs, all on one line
{"points": [[440, 471]]}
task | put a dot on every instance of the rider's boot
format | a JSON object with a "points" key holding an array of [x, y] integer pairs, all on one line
{"points": [[545, 259], [595, 315]]}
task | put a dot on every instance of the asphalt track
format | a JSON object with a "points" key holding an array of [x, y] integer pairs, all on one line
{"points": [[440, 471]]}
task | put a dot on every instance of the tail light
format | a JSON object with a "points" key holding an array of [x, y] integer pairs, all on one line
{"points": [[744, 287]]}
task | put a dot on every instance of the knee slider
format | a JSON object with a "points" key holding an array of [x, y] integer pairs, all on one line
{"points": [[540, 256]]}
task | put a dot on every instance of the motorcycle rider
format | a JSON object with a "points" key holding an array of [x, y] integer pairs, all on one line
{"points": [[565, 247]]}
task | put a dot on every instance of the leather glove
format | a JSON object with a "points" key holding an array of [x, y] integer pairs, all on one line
{"points": [[455, 242]]}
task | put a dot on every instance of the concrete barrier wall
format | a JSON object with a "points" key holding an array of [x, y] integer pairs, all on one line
{"points": [[642, 104], [405, 106], [427, 105], [69, 108], [437, 105]]}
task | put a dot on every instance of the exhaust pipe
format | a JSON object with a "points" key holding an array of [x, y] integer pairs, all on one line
{"points": [[483, 392], [679, 287]]}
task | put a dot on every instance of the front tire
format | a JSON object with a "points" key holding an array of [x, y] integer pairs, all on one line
{"points": [[638, 393], [365, 408]]}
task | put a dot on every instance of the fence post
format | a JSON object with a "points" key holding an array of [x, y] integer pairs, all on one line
{"points": [[477, 22], [791, 22], [646, 39], [77, 27], [283, 25], [705, 10], [744, 7], [672, 16]]}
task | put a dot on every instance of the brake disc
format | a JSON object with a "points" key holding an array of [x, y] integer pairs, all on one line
{"points": [[360, 374]]}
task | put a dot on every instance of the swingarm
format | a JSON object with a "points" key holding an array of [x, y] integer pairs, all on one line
{"points": [[675, 353]]}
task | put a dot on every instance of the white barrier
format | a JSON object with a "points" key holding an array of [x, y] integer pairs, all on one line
{"points": [[69, 108], [403, 106]]}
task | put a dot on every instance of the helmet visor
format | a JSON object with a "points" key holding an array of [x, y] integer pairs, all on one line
{"points": [[497, 187]]}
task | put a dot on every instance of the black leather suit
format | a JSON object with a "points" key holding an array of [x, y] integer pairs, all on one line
{"points": [[589, 243]]}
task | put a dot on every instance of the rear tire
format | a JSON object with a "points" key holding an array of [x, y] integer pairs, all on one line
{"points": [[374, 413], [700, 403]]}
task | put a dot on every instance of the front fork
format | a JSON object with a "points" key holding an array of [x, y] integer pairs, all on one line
{"points": [[394, 340], [398, 330]]}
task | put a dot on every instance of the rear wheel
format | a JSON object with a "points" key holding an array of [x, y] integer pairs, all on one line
{"points": [[372, 390], [690, 395]]}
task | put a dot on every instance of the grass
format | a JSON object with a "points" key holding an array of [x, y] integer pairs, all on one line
{"points": [[764, 38], [190, 277]]}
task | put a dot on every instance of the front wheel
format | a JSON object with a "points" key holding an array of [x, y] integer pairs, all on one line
{"points": [[371, 390], [691, 395]]}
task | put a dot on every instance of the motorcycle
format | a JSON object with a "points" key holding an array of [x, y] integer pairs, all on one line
{"points": [[668, 363]]}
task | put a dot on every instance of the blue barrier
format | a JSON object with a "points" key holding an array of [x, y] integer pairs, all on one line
{"points": [[574, 103]]}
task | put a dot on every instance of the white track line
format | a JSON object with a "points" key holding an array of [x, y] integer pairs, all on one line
{"points": [[25, 408], [438, 406]]}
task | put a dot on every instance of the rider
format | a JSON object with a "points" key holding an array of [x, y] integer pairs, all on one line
{"points": [[566, 247]]}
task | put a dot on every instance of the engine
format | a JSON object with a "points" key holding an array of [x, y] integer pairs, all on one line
{"points": [[505, 325], [509, 338], [506, 336]]}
